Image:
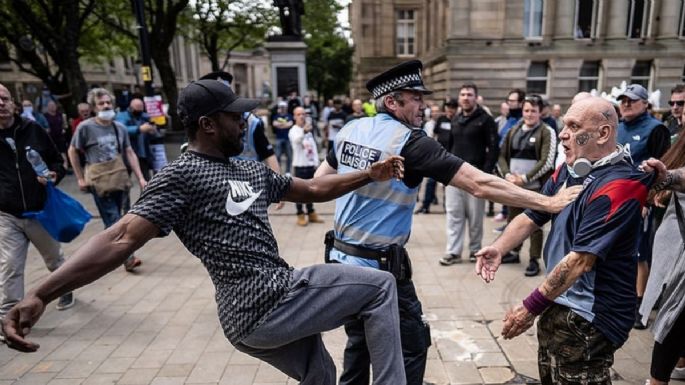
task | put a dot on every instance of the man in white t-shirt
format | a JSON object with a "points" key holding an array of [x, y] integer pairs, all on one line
{"points": [[305, 159]]}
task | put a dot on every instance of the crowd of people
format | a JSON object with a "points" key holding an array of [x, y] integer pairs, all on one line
{"points": [[578, 171]]}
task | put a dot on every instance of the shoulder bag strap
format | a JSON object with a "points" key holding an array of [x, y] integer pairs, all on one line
{"points": [[116, 133]]}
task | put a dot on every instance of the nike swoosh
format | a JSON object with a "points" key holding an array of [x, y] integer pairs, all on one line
{"points": [[234, 208]]}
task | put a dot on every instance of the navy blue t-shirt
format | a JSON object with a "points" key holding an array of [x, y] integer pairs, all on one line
{"points": [[604, 221]]}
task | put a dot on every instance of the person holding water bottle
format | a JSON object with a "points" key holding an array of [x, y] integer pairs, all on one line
{"points": [[28, 159]]}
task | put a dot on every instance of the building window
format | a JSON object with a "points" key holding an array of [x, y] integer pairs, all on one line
{"points": [[586, 16], [589, 76], [536, 81], [406, 33], [641, 73], [532, 19], [638, 19]]}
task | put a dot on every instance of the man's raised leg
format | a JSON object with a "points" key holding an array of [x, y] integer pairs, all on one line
{"points": [[324, 297]]}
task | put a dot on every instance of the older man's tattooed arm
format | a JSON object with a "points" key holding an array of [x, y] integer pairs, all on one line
{"points": [[566, 273]]}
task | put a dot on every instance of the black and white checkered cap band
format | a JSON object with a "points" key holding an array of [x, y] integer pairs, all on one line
{"points": [[398, 83]]}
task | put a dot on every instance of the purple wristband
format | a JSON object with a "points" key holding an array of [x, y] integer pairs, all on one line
{"points": [[536, 303]]}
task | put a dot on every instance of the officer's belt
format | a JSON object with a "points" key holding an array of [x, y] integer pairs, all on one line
{"points": [[360, 251]]}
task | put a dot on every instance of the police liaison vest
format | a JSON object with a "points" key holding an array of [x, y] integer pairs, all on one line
{"points": [[379, 214], [635, 134]]}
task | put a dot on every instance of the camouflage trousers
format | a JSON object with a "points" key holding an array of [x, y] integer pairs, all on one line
{"points": [[571, 350]]}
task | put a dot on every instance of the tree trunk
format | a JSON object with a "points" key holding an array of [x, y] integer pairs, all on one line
{"points": [[162, 61]]}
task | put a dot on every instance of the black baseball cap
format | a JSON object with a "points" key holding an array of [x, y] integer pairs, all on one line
{"points": [[205, 97], [218, 75]]}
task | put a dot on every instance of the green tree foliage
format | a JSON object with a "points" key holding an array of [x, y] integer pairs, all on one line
{"points": [[162, 19], [329, 54], [50, 37], [221, 26]]}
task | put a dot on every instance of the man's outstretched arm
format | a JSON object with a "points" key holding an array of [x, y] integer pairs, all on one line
{"points": [[567, 271], [490, 187], [100, 255], [330, 186], [490, 257]]}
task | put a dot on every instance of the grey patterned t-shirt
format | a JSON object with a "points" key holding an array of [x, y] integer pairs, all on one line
{"points": [[218, 209]]}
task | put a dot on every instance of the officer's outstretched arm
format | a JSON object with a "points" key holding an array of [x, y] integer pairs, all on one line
{"points": [[325, 169], [326, 187], [490, 187]]}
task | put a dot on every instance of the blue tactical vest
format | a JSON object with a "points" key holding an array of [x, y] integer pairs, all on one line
{"points": [[249, 151], [633, 136], [380, 213]]}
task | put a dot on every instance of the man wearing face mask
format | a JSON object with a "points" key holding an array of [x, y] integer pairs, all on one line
{"points": [[102, 140], [140, 131]]}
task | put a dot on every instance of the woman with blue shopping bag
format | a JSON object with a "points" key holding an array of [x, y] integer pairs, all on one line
{"points": [[21, 191]]}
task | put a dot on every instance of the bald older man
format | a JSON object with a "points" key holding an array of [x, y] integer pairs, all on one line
{"points": [[586, 303], [140, 131]]}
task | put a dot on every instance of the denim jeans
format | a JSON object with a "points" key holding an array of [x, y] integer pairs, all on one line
{"points": [[304, 173], [429, 194], [283, 148], [290, 338], [111, 207]]}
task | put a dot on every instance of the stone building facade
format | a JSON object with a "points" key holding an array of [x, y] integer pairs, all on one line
{"points": [[551, 47]]}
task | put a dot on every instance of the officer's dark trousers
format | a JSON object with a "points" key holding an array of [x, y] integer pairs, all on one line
{"points": [[414, 334]]}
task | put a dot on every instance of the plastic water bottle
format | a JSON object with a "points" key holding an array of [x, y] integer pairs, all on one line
{"points": [[37, 162]]}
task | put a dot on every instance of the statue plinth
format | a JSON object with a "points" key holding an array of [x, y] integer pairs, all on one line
{"points": [[288, 64]]}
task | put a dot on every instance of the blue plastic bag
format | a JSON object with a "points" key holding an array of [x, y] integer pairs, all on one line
{"points": [[63, 217]]}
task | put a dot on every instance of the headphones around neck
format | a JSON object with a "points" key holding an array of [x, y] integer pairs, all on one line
{"points": [[583, 166]]}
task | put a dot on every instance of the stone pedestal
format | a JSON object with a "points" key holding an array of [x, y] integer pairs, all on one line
{"points": [[288, 67]]}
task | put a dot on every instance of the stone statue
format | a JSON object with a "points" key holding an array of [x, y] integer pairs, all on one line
{"points": [[289, 12]]}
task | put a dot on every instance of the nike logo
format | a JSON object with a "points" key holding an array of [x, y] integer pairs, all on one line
{"points": [[636, 137], [240, 191]]}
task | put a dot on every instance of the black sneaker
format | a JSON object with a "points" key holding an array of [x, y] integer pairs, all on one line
{"points": [[66, 301], [511, 257], [422, 210], [533, 268], [450, 260], [490, 214], [472, 257], [638, 318]]}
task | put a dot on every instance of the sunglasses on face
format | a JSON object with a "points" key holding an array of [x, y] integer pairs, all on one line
{"points": [[680, 103]]}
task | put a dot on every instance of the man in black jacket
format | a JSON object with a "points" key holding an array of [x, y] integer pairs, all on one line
{"points": [[473, 137], [21, 190]]}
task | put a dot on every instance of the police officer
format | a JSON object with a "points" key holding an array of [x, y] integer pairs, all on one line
{"points": [[372, 224]]}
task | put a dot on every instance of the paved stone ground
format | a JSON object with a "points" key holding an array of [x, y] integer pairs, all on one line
{"points": [[159, 325]]}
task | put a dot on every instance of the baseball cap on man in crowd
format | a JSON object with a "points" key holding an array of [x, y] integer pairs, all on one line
{"points": [[634, 92]]}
